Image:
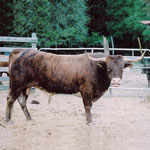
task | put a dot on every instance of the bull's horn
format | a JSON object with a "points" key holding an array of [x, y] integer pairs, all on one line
{"points": [[103, 59], [127, 60]]}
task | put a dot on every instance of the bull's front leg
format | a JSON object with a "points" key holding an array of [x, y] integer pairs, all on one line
{"points": [[87, 101], [88, 113]]}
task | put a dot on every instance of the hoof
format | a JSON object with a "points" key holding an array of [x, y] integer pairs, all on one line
{"points": [[8, 122], [89, 122], [29, 119]]}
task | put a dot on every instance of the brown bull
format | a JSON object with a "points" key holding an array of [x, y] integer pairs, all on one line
{"points": [[63, 74]]}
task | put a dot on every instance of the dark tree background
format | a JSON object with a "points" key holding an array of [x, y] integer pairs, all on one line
{"points": [[97, 12], [67, 23], [6, 17], [124, 21]]}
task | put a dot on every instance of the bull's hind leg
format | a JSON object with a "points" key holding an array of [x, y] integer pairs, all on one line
{"points": [[23, 103], [10, 102]]}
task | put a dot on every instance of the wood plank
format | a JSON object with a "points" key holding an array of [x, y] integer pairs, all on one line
{"points": [[4, 59], [10, 49], [4, 88], [105, 45], [18, 39], [4, 78], [4, 69]]}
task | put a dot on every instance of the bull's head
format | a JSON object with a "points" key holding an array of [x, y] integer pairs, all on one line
{"points": [[115, 65]]}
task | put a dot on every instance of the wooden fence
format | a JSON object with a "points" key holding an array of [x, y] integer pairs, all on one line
{"points": [[4, 80]]}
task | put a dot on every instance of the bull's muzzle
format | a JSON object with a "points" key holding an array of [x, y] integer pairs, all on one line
{"points": [[115, 82]]}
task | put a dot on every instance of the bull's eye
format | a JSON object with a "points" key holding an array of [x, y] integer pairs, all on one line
{"points": [[108, 70], [122, 69]]}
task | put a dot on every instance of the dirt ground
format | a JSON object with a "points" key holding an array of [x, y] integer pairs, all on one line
{"points": [[118, 124]]}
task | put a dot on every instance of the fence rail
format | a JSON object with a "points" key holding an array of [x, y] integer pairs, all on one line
{"points": [[33, 40], [10, 49], [113, 50], [18, 39]]}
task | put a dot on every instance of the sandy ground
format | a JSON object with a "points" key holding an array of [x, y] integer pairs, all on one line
{"points": [[118, 124]]}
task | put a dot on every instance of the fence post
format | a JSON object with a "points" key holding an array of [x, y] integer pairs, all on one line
{"points": [[113, 50], [34, 36], [105, 45]]}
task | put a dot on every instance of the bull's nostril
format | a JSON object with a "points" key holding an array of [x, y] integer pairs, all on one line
{"points": [[116, 81]]}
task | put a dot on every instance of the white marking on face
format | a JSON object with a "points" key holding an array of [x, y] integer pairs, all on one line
{"points": [[115, 82]]}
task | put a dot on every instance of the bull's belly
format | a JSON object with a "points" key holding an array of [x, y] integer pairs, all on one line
{"points": [[59, 88], [63, 91], [70, 88]]}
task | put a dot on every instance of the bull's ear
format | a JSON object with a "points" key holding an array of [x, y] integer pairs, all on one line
{"points": [[128, 65], [101, 64]]}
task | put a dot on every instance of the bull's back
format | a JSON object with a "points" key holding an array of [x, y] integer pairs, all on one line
{"points": [[54, 73]]}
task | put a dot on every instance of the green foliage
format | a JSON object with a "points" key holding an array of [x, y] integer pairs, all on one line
{"points": [[67, 23], [97, 12], [97, 24], [56, 22], [124, 19], [146, 32], [94, 40]]}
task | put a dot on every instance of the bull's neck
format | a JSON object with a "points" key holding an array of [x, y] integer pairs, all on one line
{"points": [[103, 79]]}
